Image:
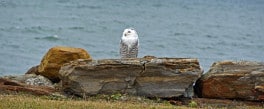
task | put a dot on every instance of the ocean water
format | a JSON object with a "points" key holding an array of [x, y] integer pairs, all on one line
{"points": [[210, 30]]}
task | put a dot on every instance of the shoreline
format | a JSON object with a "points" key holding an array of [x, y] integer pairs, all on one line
{"points": [[67, 72]]}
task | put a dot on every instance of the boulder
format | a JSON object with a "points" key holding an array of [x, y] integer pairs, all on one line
{"points": [[56, 57], [150, 77], [233, 80]]}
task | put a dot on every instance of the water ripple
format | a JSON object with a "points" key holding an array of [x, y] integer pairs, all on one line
{"points": [[77, 28], [49, 38]]}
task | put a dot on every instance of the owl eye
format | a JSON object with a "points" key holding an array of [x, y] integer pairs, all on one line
{"points": [[128, 31]]}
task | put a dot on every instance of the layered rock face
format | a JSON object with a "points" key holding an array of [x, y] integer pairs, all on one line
{"points": [[150, 77], [11, 86], [233, 80], [56, 57]]}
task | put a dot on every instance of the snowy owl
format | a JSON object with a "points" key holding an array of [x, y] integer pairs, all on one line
{"points": [[129, 44]]}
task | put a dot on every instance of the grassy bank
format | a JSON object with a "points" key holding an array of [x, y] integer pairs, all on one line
{"points": [[24, 101]]}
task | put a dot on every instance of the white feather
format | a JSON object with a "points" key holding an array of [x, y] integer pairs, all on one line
{"points": [[129, 39]]}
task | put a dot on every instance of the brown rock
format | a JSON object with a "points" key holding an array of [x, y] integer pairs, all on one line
{"points": [[56, 57], [7, 86], [232, 80], [33, 70], [152, 77]]}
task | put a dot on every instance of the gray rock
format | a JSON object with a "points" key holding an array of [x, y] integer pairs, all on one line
{"points": [[39, 80], [150, 77], [233, 80], [31, 79]]}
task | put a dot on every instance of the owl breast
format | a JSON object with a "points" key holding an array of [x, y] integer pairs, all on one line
{"points": [[130, 41], [129, 48]]}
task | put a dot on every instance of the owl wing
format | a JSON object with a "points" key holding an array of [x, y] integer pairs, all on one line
{"points": [[133, 52], [123, 50]]}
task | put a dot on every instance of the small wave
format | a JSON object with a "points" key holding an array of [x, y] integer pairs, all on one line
{"points": [[49, 38], [7, 3], [14, 46], [76, 28], [210, 36], [89, 7], [11, 45], [157, 5], [36, 29], [179, 34], [160, 46]]}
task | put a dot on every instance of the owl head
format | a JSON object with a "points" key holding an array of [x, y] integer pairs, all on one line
{"points": [[130, 32]]}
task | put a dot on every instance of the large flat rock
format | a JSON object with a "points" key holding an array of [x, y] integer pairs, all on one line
{"points": [[150, 77], [233, 80]]}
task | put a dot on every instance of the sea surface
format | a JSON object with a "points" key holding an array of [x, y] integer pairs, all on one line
{"points": [[210, 30]]}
